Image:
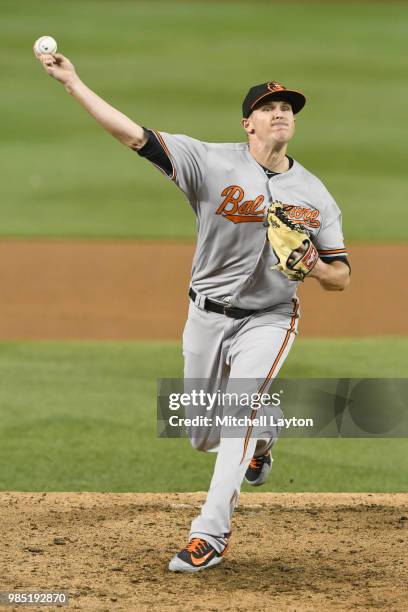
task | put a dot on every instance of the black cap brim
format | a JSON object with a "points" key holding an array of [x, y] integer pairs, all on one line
{"points": [[295, 98]]}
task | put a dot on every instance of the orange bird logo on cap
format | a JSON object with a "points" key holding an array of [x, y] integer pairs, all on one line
{"points": [[275, 86]]}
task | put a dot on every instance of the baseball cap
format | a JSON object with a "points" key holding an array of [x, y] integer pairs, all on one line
{"points": [[272, 91]]}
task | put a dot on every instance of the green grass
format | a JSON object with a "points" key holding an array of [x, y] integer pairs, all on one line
{"points": [[185, 67], [82, 416]]}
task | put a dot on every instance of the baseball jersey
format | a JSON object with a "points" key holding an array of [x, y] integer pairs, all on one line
{"points": [[230, 193]]}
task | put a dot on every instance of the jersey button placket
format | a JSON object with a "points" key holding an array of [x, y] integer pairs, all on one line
{"points": [[271, 191]]}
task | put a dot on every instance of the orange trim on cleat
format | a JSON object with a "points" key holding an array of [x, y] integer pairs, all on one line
{"points": [[197, 555]]}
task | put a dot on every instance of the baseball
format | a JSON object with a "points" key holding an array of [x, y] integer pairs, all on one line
{"points": [[45, 44]]}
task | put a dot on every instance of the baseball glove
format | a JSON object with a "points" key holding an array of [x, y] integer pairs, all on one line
{"points": [[291, 244]]}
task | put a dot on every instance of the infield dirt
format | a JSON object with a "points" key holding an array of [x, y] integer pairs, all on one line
{"points": [[103, 290], [304, 551]]}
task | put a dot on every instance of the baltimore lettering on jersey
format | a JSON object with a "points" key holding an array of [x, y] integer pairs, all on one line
{"points": [[244, 421], [237, 209]]}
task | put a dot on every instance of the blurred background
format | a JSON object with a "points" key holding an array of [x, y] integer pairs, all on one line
{"points": [[96, 246]]}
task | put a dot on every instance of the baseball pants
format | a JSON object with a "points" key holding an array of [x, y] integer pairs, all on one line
{"points": [[230, 356]]}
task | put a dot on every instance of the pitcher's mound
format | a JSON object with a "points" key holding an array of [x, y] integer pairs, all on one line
{"points": [[288, 551]]}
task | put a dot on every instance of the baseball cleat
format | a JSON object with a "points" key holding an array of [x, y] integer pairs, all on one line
{"points": [[258, 469], [196, 556]]}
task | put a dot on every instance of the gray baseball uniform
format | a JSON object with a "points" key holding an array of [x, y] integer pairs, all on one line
{"points": [[230, 193]]}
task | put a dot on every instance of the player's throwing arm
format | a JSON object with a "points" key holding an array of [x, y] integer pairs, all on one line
{"points": [[116, 123]]}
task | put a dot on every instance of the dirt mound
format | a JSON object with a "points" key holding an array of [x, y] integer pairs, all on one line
{"points": [[288, 551]]}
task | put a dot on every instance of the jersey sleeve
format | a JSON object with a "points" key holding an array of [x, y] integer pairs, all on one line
{"points": [[182, 158], [330, 241], [154, 152]]}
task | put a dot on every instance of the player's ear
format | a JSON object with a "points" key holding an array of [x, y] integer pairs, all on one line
{"points": [[247, 125]]}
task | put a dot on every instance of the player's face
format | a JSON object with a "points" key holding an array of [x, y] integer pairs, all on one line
{"points": [[272, 121]]}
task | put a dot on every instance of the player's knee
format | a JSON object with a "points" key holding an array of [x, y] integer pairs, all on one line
{"points": [[205, 444], [199, 444]]}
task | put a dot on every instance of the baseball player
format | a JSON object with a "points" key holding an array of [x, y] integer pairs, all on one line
{"points": [[243, 310]]}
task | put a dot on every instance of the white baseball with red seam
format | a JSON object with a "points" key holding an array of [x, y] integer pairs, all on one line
{"points": [[45, 44]]}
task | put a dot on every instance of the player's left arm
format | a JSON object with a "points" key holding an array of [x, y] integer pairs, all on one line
{"points": [[333, 276], [332, 269]]}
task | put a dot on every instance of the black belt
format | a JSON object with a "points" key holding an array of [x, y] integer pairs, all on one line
{"points": [[228, 311]]}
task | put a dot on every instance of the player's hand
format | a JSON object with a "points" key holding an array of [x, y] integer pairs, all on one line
{"points": [[297, 254], [58, 66]]}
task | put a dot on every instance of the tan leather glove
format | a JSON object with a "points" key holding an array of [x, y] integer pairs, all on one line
{"points": [[291, 244]]}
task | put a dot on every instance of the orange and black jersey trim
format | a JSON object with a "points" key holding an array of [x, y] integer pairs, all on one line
{"points": [[156, 151], [330, 255]]}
